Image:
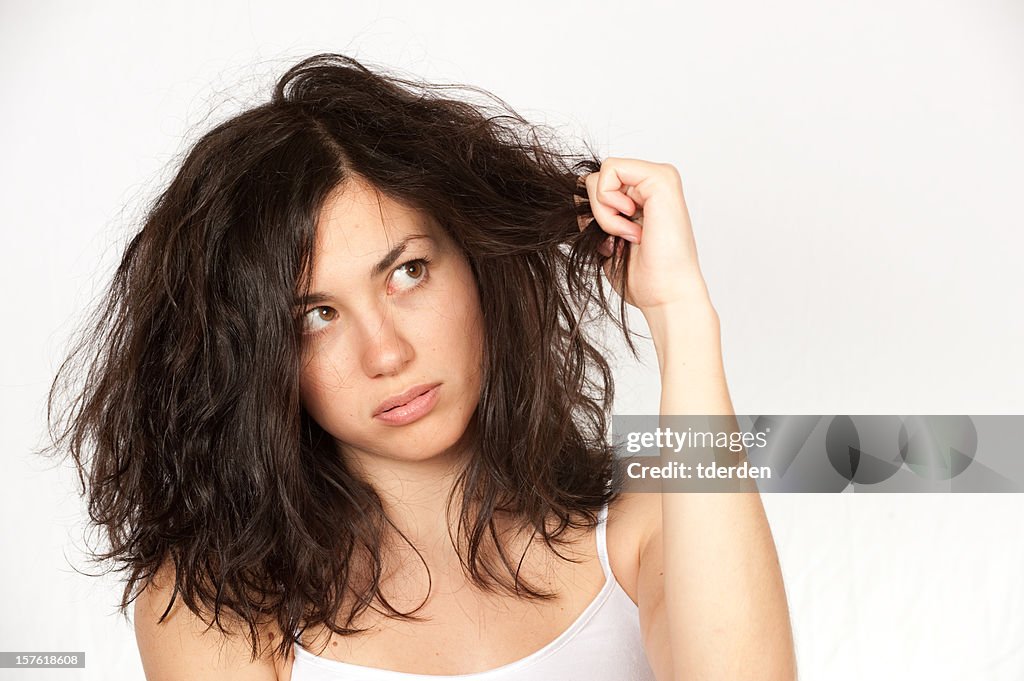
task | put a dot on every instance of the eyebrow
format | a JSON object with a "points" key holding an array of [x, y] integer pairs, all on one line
{"points": [[385, 263]]}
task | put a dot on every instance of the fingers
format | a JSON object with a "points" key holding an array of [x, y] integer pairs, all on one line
{"points": [[606, 247], [606, 206], [621, 188]]}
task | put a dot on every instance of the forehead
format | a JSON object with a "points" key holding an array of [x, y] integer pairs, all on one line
{"points": [[357, 221]]}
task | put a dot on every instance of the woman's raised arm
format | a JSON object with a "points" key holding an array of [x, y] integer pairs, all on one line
{"points": [[710, 586]]}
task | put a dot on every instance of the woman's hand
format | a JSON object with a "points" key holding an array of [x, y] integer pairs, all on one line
{"points": [[663, 269]]}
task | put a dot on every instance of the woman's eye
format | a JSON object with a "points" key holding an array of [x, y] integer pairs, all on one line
{"points": [[318, 318], [414, 271]]}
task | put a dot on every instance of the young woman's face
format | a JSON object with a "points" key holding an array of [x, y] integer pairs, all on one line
{"points": [[393, 307]]}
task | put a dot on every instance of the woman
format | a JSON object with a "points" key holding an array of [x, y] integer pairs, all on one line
{"points": [[346, 420]]}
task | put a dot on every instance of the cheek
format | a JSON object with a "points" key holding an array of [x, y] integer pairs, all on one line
{"points": [[321, 383], [465, 333], [451, 322], [331, 410], [327, 364], [311, 394], [310, 382]]}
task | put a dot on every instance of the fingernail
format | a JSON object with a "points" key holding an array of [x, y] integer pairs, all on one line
{"points": [[630, 238]]}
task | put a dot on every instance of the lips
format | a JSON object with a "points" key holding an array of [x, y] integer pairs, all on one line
{"points": [[404, 398]]}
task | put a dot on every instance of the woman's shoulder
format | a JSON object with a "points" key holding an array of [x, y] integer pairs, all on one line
{"points": [[633, 519], [184, 646]]}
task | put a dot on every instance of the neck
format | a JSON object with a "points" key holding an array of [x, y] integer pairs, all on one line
{"points": [[414, 493]]}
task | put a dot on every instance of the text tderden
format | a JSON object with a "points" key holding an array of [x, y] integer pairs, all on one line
{"points": [[681, 471]]}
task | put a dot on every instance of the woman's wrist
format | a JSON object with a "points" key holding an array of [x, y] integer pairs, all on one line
{"points": [[686, 332]]}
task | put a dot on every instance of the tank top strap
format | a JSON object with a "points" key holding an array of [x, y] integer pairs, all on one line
{"points": [[602, 541]]}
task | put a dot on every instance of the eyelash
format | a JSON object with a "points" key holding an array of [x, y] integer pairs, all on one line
{"points": [[423, 279]]}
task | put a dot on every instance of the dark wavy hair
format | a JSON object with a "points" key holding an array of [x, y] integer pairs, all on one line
{"points": [[180, 399]]}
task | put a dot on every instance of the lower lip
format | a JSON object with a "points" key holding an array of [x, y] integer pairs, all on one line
{"points": [[415, 409]]}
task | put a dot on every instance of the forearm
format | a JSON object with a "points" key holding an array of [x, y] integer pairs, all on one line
{"points": [[724, 596]]}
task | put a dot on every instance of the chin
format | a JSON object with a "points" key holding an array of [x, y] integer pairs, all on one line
{"points": [[417, 441]]}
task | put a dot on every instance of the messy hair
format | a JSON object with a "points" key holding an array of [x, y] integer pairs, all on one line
{"points": [[179, 402]]}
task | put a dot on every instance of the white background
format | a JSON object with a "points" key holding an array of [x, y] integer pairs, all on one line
{"points": [[853, 172]]}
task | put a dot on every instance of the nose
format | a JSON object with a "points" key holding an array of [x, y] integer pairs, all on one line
{"points": [[386, 350]]}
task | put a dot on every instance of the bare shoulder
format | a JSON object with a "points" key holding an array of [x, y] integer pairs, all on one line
{"points": [[634, 528], [182, 647]]}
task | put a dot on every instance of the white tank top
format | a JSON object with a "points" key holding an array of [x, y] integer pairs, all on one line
{"points": [[603, 644]]}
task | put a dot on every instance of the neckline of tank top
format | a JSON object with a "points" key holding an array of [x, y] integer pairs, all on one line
{"points": [[517, 665]]}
